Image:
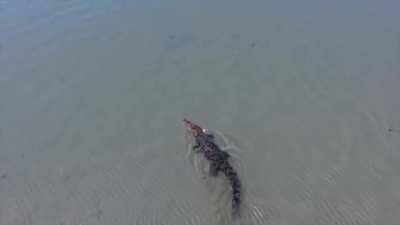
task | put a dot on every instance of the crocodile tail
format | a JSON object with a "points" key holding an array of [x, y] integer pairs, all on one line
{"points": [[233, 178]]}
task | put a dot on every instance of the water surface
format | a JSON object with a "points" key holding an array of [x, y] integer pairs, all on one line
{"points": [[92, 94]]}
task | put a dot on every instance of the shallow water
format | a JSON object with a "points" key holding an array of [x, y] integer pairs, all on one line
{"points": [[92, 94]]}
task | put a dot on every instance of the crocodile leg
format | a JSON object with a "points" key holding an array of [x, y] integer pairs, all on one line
{"points": [[213, 169]]}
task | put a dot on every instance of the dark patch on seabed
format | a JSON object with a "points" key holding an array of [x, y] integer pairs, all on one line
{"points": [[179, 41], [393, 130], [3, 176], [171, 37]]}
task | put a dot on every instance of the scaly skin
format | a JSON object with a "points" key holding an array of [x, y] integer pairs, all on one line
{"points": [[218, 159]]}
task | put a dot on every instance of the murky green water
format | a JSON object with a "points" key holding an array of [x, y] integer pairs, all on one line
{"points": [[92, 94]]}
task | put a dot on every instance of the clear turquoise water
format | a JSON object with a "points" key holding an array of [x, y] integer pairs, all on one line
{"points": [[92, 94]]}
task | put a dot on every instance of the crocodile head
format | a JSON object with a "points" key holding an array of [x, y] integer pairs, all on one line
{"points": [[194, 129]]}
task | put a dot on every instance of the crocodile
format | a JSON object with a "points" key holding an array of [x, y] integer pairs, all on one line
{"points": [[219, 161]]}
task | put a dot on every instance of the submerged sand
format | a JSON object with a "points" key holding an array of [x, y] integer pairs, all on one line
{"points": [[92, 95]]}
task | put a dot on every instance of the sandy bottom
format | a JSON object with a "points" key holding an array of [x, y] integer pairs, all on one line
{"points": [[92, 94]]}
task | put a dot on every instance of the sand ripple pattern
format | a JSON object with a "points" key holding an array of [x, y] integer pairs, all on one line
{"points": [[219, 190]]}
